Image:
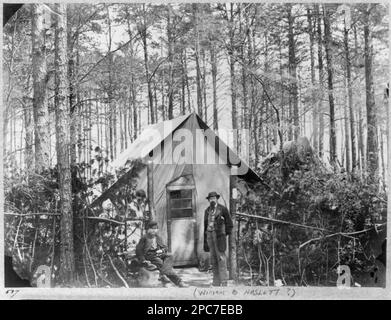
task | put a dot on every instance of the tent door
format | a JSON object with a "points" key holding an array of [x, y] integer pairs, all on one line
{"points": [[181, 224]]}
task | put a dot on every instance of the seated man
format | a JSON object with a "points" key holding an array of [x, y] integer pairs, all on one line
{"points": [[151, 250]]}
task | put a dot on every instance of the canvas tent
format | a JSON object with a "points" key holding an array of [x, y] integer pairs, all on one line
{"points": [[183, 174]]}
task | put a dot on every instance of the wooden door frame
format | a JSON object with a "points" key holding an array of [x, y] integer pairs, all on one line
{"points": [[194, 217]]}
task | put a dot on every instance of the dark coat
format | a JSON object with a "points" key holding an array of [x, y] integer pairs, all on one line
{"points": [[144, 246], [223, 227]]}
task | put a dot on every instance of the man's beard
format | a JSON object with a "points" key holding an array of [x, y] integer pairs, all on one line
{"points": [[213, 204]]}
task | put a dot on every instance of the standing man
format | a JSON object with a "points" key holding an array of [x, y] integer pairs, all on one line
{"points": [[217, 225]]}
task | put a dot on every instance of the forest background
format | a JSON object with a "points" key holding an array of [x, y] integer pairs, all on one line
{"points": [[81, 81]]}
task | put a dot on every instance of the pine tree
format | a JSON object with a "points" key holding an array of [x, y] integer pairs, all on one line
{"points": [[372, 140], [40, 78], [67, 266], [330, 77]]}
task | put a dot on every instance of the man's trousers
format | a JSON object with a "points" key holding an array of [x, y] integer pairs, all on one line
{"points": [[218, 260], [165, 266]]}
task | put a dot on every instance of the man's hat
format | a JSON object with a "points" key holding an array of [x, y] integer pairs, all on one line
{"points": [[213, 194], [141, 193], [151, 224]]}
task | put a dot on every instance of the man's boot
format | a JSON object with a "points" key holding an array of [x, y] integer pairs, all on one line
{"points": [[181, 284], [164, 278], [216, 283]]}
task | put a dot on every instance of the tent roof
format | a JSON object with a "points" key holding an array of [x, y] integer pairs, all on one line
{"points": [[148, 140], [152, 136], [250, 173]]}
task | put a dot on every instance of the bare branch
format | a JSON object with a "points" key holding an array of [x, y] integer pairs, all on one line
{"points": [[103, 58], [117, 272], [343, 234], [31, 214]]}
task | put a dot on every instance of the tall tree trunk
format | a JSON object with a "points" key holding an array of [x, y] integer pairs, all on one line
{"points": [[347, 142], [233, 94], [143, 31], [255, 116], [329, 59], [187, 82], [121, 129], [67, 265], [343, 145], [383, 165], [106, 125], [199, 90], [72, 89], [114, 124], [321, 78], [315, 111], [79, 114], [163, 93], [135, 115], [244, 89], [162, 111], [290, 117], [125, 123], [249, 111], [293, 72], [132, 92], [111, 124], [10, 87], [361, 139], [361, 150], [213, 62], [75, 120], [13, 127], [302, 117], [183, 85], [256, 129], [231, 53], [265, 105], [40, 108], [130, 118], [29, 142], [98, 126], [170, 110], [350, 97], [205, 111], [111, 121], [29, 126], [388, 113], [372, 140], [282, 84], [110, 97], [90, 126], [197, 61], [251, 118]]}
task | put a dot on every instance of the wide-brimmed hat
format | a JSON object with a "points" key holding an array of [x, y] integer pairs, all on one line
{"points": [[141, 193], [213, 194], [151, 224]]}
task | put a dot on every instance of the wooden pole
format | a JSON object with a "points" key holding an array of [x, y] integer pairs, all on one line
{"points": [[232, 236], [388, 113], [150, 189], [280, 221]]}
